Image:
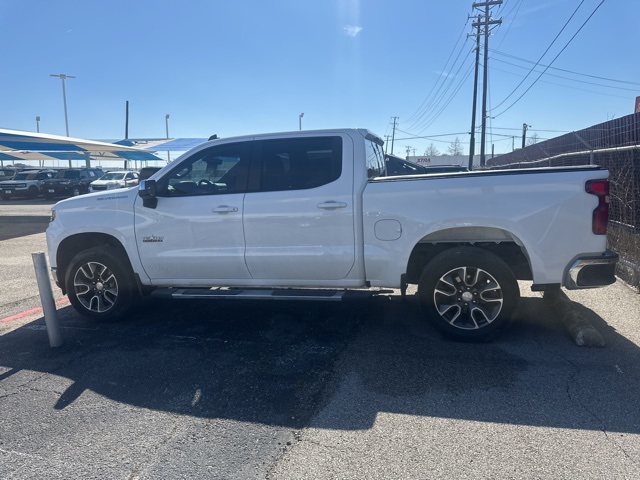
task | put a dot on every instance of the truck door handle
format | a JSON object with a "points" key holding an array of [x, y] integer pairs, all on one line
{"points": [[224, 209], [332, 205]]}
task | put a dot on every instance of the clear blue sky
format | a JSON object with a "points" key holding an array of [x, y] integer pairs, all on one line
{"points": [[250, 66]]}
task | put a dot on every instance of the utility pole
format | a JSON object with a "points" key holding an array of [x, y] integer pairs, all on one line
{"points": [[472, 147], [386, 143], [486, 23], [393, 136], [524, 133]]}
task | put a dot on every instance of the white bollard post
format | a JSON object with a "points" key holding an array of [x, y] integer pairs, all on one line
{"points": [[46, 298]]}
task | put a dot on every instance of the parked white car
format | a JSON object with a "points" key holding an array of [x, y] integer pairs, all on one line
{"points": [[113, 180]]}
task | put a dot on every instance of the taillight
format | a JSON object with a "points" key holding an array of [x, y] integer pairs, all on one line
{"points": [[599, 188]]}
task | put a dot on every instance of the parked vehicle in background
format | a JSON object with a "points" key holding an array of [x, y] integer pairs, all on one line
{"points": [[113, 180], [399, 166], [27, 183], [7, 173], [70, 182]]}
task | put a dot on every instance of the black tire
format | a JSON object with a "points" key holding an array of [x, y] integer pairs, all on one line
{"points": [[6, 197], [468, 293], [75, 192], [100, 284], [49, 196], [32, 192]]}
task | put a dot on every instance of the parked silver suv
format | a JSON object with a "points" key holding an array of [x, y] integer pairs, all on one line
{"points": [[115, 179], [27, 183]]}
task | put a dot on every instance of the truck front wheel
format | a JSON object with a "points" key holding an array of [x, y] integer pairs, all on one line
{"points": [[99, 284], [468, 293]]}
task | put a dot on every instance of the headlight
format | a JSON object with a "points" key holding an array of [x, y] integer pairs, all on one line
{"points": [[53, 215]]}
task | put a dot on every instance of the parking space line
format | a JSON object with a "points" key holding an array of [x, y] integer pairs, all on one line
{"points": [[33, 311]]}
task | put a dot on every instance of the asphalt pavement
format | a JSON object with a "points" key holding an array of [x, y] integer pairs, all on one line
{"points": [[293, 390]]}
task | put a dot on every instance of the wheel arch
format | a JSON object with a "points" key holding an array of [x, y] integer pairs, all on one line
{"points": [[74, 244], [505, 245]]}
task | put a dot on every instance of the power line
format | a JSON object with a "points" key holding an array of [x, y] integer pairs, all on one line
{"points": [[429, 137], [572, 79], [416, 113], [568, 86], [434, 116], [564, 70], [542, 56], [436, 100], [516, 7], [554, 59], [532, 130]]}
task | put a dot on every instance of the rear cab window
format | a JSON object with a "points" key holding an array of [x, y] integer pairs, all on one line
{"points": [[296, 163], [375, 159]]}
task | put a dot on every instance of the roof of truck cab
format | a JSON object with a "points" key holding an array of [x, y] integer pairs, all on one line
{"points": [[297, 133]]}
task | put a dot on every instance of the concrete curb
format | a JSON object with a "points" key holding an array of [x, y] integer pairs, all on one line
{"points": [[578, 327]]}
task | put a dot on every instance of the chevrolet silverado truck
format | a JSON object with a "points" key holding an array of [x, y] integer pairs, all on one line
{"points": [[313, 215]]}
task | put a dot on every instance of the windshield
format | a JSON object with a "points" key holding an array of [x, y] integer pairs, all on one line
{"points": [[68, 174], [25, 176], [112, 176]]}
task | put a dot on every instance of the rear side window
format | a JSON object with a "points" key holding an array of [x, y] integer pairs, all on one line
{"points": [[375, 160], [298, 163]]}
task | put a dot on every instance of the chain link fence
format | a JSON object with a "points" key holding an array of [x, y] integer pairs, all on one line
{"points": [[614, 145]]}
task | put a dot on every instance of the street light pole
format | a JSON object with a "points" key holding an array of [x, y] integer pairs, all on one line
{"points": [[62, 77], [300, 120]]}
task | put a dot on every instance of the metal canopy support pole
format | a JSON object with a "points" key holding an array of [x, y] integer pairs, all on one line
{"points": [[46, 298]]}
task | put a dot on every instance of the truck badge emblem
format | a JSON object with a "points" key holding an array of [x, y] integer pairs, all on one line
{"points": [[152, 239]]}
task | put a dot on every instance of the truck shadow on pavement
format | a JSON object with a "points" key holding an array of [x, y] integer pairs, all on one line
{"points": [[329, 366]]}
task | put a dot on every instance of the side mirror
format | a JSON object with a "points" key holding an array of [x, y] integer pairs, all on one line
{"points": [[147, 191]]}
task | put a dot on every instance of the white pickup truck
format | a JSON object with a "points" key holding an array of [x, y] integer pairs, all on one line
{"points": [[312, 215]]}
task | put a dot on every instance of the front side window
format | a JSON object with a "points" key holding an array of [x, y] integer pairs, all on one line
{"points": [[299, 163], [215, 170]]}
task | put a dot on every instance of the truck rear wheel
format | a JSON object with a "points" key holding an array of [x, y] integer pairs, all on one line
{"points": [[100, 284], [467, 293]]}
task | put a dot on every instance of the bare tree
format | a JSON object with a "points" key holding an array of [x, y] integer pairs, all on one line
{"points": [[533, 139], [432, 151], [455, 148]]}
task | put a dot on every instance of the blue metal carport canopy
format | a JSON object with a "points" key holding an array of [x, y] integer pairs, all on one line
{"points": [[178, 144], [17, 143]]}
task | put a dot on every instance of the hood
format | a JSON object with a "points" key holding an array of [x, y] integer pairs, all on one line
{"points": [[108, 198]]}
